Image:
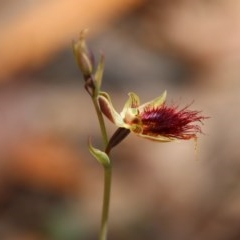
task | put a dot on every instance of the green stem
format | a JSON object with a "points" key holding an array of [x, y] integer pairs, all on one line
{"points": [[107, 176], [106, 202], [101, 122]]}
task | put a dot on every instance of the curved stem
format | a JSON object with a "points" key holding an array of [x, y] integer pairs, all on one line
{"points": [[101, 122], [106, 202]]}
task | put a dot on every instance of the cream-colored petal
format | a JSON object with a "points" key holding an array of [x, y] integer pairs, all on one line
{"points": [[108, 110], [155, 102], [156, 138], [132, 102]]}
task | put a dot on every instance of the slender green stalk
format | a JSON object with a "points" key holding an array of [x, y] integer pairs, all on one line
{"points": [[107, 176], [85, 61], [101, 122], [106, 203]]}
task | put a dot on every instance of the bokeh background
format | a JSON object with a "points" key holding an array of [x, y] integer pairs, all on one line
{"points": [[50, 187]]}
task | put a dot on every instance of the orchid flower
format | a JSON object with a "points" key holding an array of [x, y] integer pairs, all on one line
{"points": [[153, 120]]}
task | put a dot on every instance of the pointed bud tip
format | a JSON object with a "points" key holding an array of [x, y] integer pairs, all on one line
{"points": [[83, 54], [83, 33]]}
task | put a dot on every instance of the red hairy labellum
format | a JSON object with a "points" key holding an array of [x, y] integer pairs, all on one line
{"points": [[171, 122]]}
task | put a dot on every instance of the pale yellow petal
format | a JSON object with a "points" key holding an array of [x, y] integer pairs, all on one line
{"points": [[156, 138], [155, 102]]}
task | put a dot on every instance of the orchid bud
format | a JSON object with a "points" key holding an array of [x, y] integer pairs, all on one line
{"points": [[83, 56]]}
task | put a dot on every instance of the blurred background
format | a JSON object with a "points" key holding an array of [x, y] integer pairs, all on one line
{"points": [[50, 187]]}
